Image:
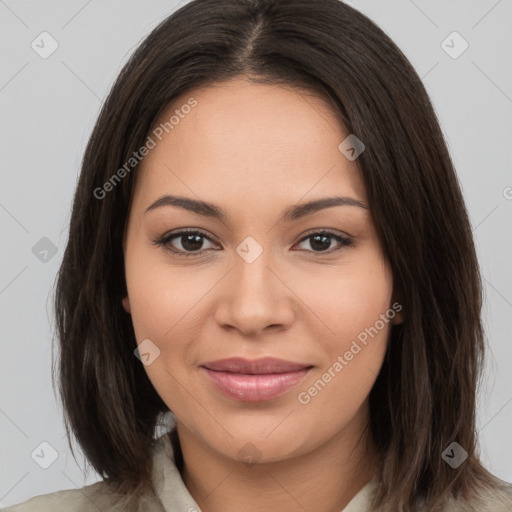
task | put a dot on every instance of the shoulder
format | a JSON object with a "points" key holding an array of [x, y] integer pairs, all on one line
{"points": [[496, 500], [72, 499], [489, 500], [91, 498]]}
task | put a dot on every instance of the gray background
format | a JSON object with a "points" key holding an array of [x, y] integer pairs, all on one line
{"points": [[48, 107]]}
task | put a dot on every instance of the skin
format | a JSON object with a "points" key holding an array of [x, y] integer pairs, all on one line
{"points": [[255, 150]]}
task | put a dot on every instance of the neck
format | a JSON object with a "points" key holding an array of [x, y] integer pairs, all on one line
{"points": [[324, 480]]}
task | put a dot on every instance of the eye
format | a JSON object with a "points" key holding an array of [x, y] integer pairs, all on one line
{"points": [[321, 241], [189, 240]]}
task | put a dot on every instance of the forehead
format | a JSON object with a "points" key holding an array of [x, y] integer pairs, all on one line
{"points": [[244, 139]]}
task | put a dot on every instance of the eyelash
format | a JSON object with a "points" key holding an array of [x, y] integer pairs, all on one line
{"points": [[165, 240]]}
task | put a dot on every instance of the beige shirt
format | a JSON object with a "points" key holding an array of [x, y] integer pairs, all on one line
{"points": [[171, 495]]}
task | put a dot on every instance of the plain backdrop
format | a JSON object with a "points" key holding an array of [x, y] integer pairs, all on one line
{"points": [[49, 105]]}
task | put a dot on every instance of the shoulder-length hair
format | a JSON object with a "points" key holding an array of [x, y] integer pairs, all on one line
{"points": [[424, 397]]}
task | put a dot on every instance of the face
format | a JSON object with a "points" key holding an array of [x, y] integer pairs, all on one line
{"points": [[311, 288]]}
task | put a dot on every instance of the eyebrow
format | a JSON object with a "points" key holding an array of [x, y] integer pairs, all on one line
{"points": [[293, 213]]}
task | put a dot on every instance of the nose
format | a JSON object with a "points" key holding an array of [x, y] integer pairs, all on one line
{"points": [[255, 298]]}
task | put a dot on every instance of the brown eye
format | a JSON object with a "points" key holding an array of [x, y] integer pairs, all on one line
{"points": [[191, 242], [321, 241]]}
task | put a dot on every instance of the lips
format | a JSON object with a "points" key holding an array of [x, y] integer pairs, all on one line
{"points": [[254, 381], [265, 365]]}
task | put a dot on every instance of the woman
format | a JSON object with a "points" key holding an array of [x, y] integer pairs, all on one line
{"points": [[269, 240]]}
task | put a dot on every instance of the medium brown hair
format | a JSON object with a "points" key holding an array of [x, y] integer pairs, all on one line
{"points": [[424, 397]]}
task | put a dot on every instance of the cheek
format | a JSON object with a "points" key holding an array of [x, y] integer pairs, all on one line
{"points": [[355, 308], [162, 309], [167, 307], [352, 297], [162, 297]]}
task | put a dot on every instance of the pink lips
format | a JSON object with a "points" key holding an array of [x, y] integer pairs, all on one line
{"points": [[254, 381]]}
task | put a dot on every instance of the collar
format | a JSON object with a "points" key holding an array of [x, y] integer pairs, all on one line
{"points": [[362, 501], [167, 482]]}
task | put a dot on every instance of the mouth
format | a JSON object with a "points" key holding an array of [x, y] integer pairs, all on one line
{"points": [[256, 380]]}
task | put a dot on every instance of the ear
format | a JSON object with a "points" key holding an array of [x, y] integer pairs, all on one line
{"points": [[126, 304]]}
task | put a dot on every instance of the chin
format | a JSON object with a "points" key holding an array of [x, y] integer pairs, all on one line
{"points": [[254, 444]]}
